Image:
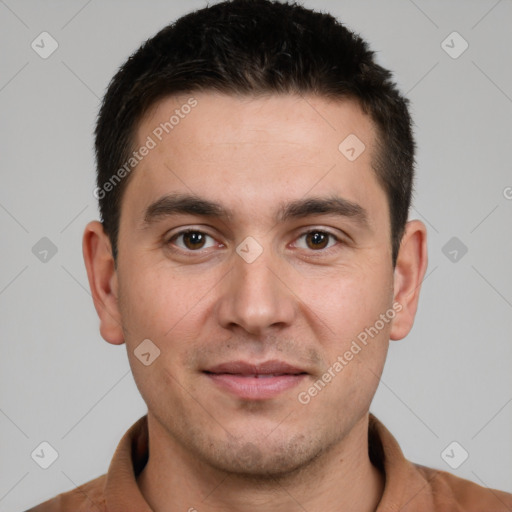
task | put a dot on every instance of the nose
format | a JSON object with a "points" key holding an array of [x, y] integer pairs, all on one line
{"points": [[255, 296]]}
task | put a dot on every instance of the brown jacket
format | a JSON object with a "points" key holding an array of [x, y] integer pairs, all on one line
{"points": [[408, 487]]}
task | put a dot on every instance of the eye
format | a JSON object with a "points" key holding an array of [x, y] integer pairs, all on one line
{"points": [[191, 240], [317, 240]]}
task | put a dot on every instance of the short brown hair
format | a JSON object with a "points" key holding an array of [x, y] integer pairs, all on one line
{"points": [[251, 47]]}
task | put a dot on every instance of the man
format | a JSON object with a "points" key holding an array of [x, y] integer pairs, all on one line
{"points": [[255, 168]]}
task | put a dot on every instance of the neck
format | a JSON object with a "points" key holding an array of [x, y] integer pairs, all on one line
{"points": [[342, 478]]}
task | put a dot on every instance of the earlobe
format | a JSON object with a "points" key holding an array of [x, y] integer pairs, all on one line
{"points": [[102, 276], [409, 272]]}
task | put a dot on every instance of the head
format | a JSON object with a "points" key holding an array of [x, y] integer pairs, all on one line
{"points": [[255, 169]]}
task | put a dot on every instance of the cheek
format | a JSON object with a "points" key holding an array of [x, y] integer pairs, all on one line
{"points": [[171, 311], [354, 343], [166, 311], [348, 302], [156, 303]]}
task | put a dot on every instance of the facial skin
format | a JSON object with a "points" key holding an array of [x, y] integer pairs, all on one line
{"points": [[302, 301]]}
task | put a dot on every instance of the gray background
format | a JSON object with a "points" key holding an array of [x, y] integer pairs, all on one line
{"points": [[450, 380]]}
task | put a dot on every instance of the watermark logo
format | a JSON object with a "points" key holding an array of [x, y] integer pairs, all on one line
{"points": [[44, 455], [147, 352], [150, 143], [304, 397], [352, 147], [454, 455], [249, 249], [44, 250], [454, 249], [44, 45], [454, 45]]}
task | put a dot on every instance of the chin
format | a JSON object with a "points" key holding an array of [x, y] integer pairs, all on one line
{"points": [[263, 460]]}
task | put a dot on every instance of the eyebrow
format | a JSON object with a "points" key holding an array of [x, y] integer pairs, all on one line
{"points": [[189, 204]]}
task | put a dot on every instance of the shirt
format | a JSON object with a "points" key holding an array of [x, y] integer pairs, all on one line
{"points": [[408, 487]]}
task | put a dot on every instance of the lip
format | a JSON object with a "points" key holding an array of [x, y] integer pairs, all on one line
{"points": [[251, 381]]}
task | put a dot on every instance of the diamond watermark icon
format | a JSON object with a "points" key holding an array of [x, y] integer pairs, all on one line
{"points": [[44, 455], [44, 45], [146, 352], [454, 455], [454, 45], [44, 250], [249, 249], [454, 249], [351, 147]]}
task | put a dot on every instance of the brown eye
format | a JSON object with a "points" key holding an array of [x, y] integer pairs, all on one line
{"points": [[192, 240], [317, 239]]}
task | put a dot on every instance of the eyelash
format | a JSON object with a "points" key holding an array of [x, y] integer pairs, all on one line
{"points": [[327, 250]]}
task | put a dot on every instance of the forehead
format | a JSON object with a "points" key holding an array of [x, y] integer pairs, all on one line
{"points": [[316, 123], [253, 151]]}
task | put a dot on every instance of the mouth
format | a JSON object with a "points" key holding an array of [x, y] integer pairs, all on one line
{"points": [[255, 381]]}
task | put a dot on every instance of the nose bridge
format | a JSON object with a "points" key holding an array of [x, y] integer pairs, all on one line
{"points": [[253, 297]]}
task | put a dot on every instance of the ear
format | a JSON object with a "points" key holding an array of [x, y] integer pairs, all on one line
{"points": [[102, 275], [409, 272]]}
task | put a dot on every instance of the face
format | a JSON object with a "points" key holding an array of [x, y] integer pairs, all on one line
{"points": [[253, 253]]}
